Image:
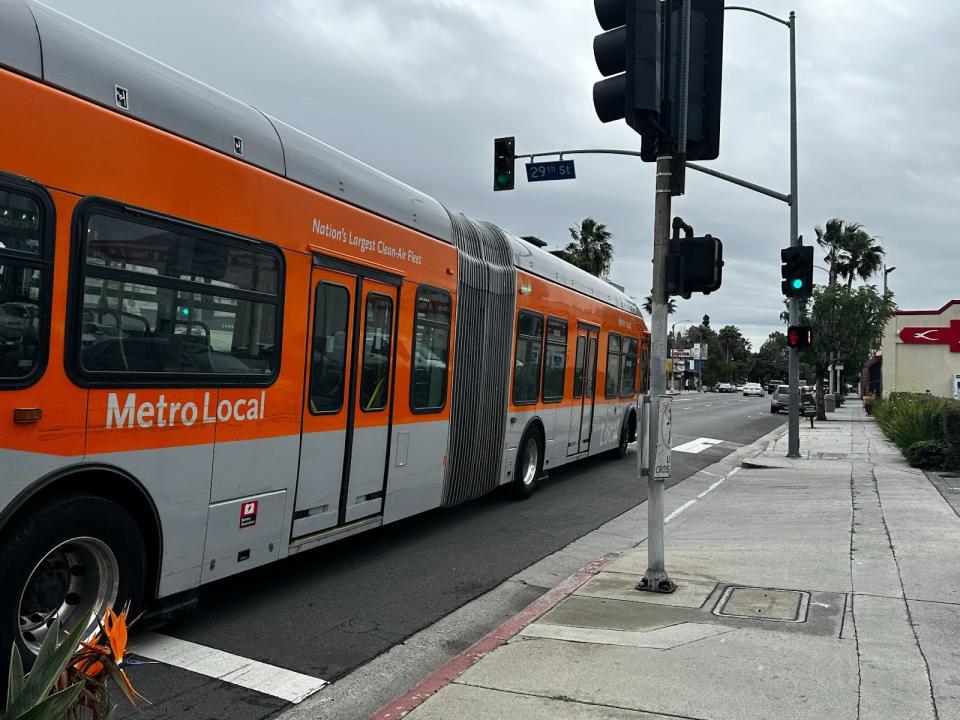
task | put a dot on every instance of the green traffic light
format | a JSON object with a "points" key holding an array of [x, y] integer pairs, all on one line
{"points": [[797, 283], [503, 179]]}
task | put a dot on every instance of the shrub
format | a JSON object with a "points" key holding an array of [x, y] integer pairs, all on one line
{"points": [[951, 433], [908, 418], [927, 454]]}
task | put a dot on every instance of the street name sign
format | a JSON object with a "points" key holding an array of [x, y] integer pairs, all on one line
{"points": [[552, 170]]}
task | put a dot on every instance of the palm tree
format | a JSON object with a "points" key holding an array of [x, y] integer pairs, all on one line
{"points": [[864, 258], [648, 305], [591, 249], [851, 252]]}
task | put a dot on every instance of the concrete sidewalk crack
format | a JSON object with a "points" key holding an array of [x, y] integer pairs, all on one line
{"points": [[906, 604], [574, 701], [853, 616]]}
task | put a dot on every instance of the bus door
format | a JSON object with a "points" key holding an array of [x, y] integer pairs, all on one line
{"points": [[347, 396], [584, 384]]}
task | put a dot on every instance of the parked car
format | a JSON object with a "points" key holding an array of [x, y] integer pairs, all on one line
{"points": [[753, 389], [780, 399], [772, 385]]}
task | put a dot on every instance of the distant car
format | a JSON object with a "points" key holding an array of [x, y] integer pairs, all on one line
{"points": [[753, 389], [772, 385], [726, 387]]}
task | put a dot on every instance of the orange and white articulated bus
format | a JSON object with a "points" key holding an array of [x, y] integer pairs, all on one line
{"points": [[223, 342]]}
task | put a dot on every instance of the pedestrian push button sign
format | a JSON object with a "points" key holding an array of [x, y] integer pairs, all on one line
{"points": [[248, 513]]}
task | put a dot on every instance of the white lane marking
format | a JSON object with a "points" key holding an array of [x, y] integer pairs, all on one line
{"points": [[679, 510], [698, 445], [251, 674], [688, 408], [708, 404], [710, 489]]}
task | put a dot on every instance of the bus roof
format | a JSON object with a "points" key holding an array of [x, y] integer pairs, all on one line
{"points": [[40, 42]]}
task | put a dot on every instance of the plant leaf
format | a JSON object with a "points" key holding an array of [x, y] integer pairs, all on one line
{"points": [[15, 677], [51, 660], [53, 707]]}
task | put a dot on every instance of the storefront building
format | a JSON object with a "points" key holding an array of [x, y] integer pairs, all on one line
{"points": [[921, 351]]}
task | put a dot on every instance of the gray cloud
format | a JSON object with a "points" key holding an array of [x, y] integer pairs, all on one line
{"points": [[418, 88]]}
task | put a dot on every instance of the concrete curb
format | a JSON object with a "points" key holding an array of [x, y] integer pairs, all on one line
{"points": [[454, 668], [751, 462]]}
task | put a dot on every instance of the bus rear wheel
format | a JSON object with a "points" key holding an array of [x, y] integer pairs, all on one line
{"points": [[529, 464], [628, 434], [67, 560]]}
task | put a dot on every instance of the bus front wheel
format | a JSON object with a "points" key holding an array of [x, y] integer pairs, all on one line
{"points": [[529, 464], [67, 560]]}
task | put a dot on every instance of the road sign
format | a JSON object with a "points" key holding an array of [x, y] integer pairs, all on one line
{"points": [[552, 170], [681, 353], [664, 458]]}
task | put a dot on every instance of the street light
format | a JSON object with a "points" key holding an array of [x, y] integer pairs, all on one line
{"points": [[887, 271]]}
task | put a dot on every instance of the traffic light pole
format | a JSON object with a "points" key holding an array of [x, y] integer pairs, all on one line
{"points": [[793, 426], [655, 579]]}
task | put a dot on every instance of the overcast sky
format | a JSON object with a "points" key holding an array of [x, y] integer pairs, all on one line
{"points": [[419, 88]]}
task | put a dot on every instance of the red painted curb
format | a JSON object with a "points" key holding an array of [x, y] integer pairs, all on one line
{"points": [[456, 666]]}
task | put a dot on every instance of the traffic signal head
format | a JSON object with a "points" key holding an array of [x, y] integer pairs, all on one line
{"points": [[799, 336], [704, 78], [630, 56], [694, 264], [797, 271], [503, 159]]}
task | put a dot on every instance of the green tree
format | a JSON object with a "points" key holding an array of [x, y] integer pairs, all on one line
{"points": [[733, 345], [591, 249], [771, 361], [846, 323]]}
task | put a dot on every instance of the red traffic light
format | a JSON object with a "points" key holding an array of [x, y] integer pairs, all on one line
{"points": [[799, 336]]}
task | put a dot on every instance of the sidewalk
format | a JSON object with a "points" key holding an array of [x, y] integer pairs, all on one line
{"points": [[825, 587]]}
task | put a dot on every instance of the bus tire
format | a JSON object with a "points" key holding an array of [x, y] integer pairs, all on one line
{"points": [[67, 559], [627, 433], [529, 463]]}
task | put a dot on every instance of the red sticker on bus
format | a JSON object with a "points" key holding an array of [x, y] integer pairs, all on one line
{"points": [[248, 513]]}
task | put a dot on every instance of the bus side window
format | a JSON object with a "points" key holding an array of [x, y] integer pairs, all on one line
{"points": [[578, 366], [329, 356], [526, 371], [24, 285], [555, 360], [377, 333], [611, 386], [431, 350], [628, 368], [163, 298]]}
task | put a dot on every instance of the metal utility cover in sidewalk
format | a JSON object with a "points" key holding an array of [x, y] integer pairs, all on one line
{"points": [[763, 604]]}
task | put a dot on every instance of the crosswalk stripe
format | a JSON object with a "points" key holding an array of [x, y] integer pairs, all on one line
{"points": [[698, 445], [251, 674]]}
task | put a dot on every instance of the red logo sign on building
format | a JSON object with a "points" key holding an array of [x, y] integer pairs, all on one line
{"points": [[933, 336], [248, 513]]}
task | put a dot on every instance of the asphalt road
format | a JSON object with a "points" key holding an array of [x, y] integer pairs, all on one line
{"points": [[328, 611]]}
